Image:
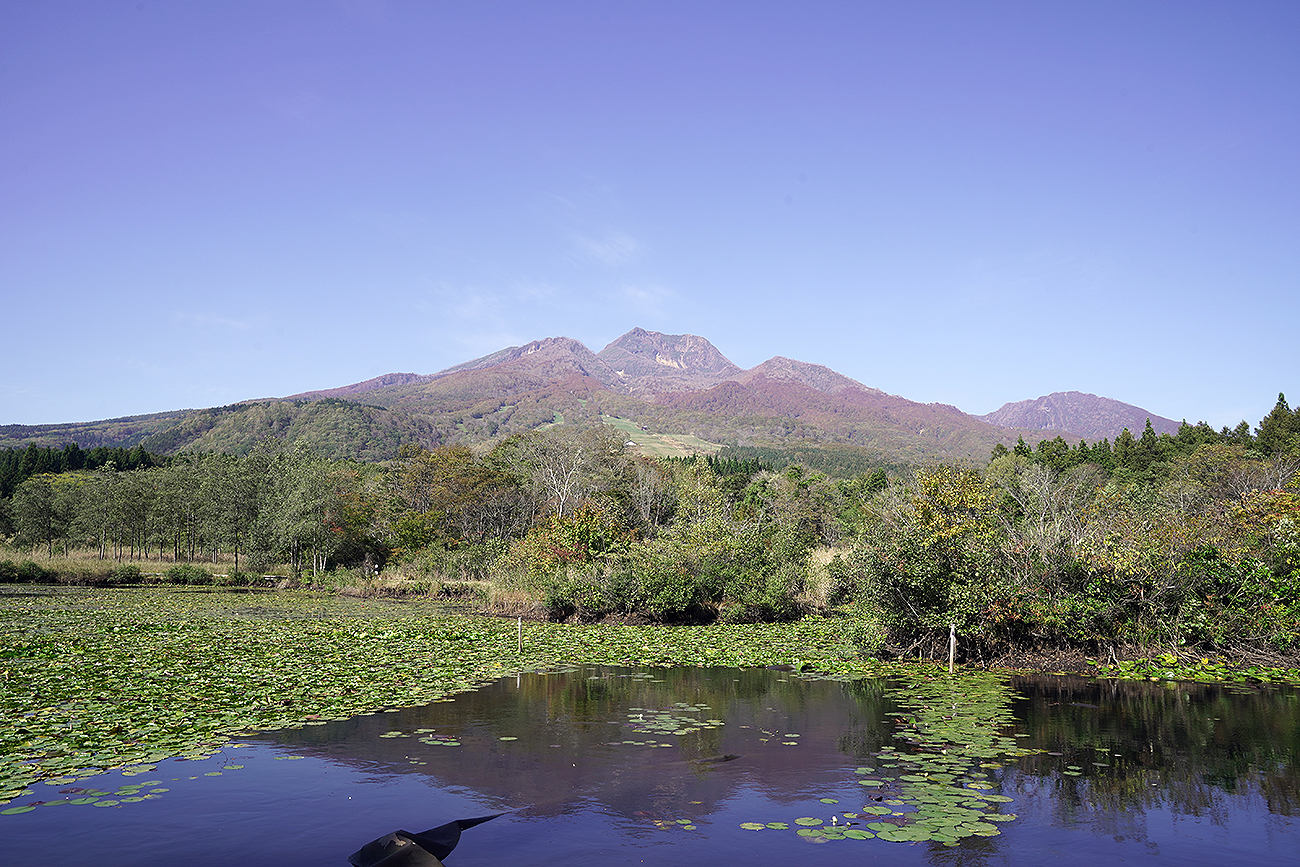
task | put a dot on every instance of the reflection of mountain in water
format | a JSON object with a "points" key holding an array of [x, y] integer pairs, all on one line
{"points": [[1136, 746], [569, 729]]}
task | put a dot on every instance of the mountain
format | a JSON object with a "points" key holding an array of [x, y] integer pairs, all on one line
{"points": [[547, 359], [815, 376], [1084, 415], [359, 387], [331, 427], [647, 362], [127, 431], [670, 386]]}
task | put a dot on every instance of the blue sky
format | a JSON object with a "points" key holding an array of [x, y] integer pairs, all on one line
{"points": [[969, 203]]}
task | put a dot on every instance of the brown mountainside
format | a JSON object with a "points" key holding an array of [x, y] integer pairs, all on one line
{"points": [[815, 376], [665, 384], [1086, 415], [357, 388], [648, 362]]}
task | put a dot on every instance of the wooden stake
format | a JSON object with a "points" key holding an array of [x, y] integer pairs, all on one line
{"points": [[952, 647], [521, 635]]}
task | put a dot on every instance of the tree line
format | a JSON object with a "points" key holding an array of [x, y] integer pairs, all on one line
{"points": [[1189, 540], [19, 465]]}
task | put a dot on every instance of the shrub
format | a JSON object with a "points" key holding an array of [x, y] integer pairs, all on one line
{"points": [[187, 573], [235, 579], [126, 574], [29, 572]]}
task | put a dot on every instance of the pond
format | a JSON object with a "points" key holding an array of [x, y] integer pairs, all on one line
{"points": [[597, 765]]}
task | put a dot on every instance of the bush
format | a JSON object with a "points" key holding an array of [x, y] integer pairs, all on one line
{"points": [[187, 573], [29, 572], [464, 562], [126, 574]]}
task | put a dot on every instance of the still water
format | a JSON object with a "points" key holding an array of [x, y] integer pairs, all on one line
{"points": [[601, 765]]}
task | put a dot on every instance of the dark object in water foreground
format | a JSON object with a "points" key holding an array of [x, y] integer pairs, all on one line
{"points": [[405, 849]]}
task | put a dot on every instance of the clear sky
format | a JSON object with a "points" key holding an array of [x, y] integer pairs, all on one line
{"points": [[963, 202]]}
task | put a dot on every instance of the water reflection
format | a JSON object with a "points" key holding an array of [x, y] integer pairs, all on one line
{"points": [[595, 738], [1117, 754], [602, 765], [1123, 762]]}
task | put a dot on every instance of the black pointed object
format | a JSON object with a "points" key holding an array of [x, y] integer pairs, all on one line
{"points": [[407, 849]]}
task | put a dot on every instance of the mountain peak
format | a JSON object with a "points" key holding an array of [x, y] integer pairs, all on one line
{"points": [[649, 362], [815, 376], [1081, 414], [547, 346]]}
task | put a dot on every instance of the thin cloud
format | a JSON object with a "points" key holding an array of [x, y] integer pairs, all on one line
{"points": [[536, 292], [209, 320], [614, 249], [650, 300]]}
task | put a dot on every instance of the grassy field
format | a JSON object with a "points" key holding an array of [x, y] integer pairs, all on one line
{"points": [[661, 445]]}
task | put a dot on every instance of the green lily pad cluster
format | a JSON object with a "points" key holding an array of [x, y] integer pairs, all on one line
{"points": [[921, 797], [682, 718], [77, 796], [938, 789], [1166, 666]]}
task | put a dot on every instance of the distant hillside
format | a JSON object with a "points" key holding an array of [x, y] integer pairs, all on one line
{"points": [[815, 376], [1084, 415], [333, 428], [126, 432], [359, 387], [766, 411]]}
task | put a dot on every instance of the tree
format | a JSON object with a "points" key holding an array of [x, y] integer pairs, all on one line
{"points": [[41, 511], [652, 491], [1279, 432], [565, 468], [929, 557]]}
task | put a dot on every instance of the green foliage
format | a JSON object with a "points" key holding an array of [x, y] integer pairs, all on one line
{"points": [[583, 536], [839, 461], [127, 573], [1189, 540], [1279, 431], [26, 572], [187, 573]]}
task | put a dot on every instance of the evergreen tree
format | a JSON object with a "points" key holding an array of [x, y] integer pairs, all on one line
{"points": [[1279, 432]]}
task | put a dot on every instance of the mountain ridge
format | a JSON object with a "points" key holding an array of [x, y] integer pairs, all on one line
{"points": [[671, 384], [1083, 414]]}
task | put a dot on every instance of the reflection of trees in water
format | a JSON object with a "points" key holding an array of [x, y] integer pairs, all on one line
{"points": [[1173, 746]]}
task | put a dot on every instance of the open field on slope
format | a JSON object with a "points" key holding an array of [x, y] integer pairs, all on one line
{"points": [[661, 445]]}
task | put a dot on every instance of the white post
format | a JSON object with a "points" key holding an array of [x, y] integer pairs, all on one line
{"points": [[952, 647], [521, 635]]}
